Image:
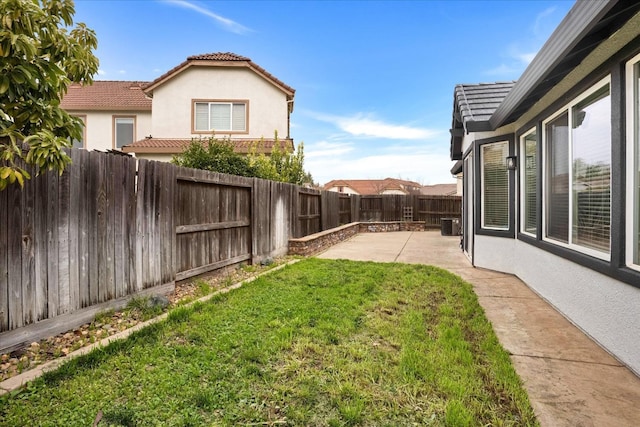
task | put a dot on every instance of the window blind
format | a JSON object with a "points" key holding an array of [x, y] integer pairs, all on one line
{"points": [[495, 185], [529, 159], [239, 117], [557, 159]]}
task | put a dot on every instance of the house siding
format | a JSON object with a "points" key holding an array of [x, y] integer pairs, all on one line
{"points": [[172, 101], [99, 126]]}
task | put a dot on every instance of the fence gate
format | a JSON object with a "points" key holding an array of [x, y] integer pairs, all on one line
{"points": [[213, 222]]}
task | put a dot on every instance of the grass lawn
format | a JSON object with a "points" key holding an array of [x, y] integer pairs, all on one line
{"points": [[317, 343]]}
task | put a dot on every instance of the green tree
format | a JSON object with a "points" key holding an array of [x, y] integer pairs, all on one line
{"points": [[40, 55], [216, 156], [219, 156]]}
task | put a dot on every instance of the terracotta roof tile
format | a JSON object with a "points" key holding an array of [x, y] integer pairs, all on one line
{"points": [[107, 95], [177, 145], [374, 186], [242, 61]]}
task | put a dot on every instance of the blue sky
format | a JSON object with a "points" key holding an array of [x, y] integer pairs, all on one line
{"points": [[374, 80]]}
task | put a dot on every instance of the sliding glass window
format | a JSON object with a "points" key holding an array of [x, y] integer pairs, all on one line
{"points": [[578, 173]]}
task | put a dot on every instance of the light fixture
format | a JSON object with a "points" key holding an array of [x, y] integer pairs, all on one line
{"points": [[512, 163]]}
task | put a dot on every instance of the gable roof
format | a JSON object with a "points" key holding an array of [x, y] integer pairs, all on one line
{"points": [[151, 145], [107, 95], [374, 186], [219, 59]]}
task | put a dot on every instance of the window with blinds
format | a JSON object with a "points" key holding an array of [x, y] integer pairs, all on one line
{"points": [[220, 116], [591, 178], [632, 93], [495, 185], [529, 171], [578, 172]]}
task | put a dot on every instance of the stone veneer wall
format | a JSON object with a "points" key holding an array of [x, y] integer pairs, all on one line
{"points": [[318, 242]]}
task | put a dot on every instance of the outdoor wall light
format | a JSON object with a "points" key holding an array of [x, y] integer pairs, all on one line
{"points": [[512, 163]]}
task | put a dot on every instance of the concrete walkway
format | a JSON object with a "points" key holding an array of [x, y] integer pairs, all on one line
{"points": [[570, 379]]}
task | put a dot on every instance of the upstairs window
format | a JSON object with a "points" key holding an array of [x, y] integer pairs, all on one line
{"points": [[79, 143], [495, 185], [124, 131], [578, 173], [220, 116]]}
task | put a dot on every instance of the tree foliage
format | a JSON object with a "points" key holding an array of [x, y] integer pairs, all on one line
{"points": [[219, 156], [40, 55]]}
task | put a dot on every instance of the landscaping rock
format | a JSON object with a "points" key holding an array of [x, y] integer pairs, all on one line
{"points": [[158, 301]]}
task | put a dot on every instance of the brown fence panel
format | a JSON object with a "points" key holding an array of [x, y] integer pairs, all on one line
{"points": [[370, 208], [330, 206], [431, 209], [213, 221], [309, 215], [345, 209]]}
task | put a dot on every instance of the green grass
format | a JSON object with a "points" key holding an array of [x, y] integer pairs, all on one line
{"points": [[318, 343]]}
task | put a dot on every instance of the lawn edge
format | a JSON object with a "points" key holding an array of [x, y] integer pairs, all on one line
{"points": [[18, 381]]}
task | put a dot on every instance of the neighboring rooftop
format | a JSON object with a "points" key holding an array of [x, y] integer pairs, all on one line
{"points": [[177, 145], [225, 59], [375, 186], [440, 190], [107, 95]]}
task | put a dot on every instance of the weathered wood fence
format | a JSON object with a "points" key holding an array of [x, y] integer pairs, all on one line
{"points": [[114, 226]]}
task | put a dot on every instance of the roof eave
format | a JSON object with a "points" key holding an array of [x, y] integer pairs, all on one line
{"points": [[582, 17]]}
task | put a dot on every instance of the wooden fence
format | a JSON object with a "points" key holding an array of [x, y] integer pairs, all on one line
{"points": [[114, 226]]}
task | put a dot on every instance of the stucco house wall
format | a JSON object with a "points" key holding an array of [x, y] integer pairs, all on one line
{"points": [[99, 131], [173, 101]]}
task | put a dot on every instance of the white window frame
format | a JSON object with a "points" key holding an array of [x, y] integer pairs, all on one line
{"points": [[482, 195], [230, 103], [632, 91], [115, 130], [567, 109], [522, 187]]}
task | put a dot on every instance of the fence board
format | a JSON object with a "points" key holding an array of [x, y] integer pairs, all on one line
{"points": [[4, 249], [28, 255], [73, 171], [52, 245], [14, 273], [63, 243], [41, 247]]}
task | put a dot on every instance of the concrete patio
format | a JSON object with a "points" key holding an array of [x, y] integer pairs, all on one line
{"points": [[570, 379]]}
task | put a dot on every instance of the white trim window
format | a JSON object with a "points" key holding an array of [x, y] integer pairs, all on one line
{"points": [[124, 131], [529, 182], [220, 116], [633, 162], [495, 185], [577, 164]]}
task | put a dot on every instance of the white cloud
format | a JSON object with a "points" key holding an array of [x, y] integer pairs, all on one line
{"points": [[540, 27], [326, 149], [101, 72], [122, 72], [502, 70], [367, 126], [425, 168], [225, 23]]}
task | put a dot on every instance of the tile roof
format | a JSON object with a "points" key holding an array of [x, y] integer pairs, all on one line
{"points": [[475, 103], [177, 145], [107, 95], [220, 59], [439, 190], [373, 186]]}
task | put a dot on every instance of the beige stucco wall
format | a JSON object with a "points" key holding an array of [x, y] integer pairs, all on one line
{"points": [[156, 157], [172, 101], [99, 127], [345, 190]]}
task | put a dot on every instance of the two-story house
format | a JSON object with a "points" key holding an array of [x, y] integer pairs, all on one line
{"points": [[220, 94]]}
